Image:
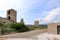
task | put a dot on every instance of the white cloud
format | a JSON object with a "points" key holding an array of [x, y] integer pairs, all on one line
{"points": [[6, 4], [52, 15], [18, 5], [23, 6]]}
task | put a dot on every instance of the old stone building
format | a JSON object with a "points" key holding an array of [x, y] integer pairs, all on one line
{"points": [[22, 20], [11, 17], [36, 23]]}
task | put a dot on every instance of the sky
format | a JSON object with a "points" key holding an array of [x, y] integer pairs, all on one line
{"points": [[45, 11]]}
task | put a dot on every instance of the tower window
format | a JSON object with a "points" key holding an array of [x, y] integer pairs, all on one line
{"points": [[9, 18], [9, 12], [3, 22]]}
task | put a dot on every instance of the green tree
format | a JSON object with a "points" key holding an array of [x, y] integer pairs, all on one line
{"points": [[20, 27]]}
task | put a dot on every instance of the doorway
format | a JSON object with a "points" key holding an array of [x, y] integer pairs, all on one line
{"points": [[58, 29]]}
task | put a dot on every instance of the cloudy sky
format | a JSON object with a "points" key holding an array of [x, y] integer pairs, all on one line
{"points": [[46, 11]]}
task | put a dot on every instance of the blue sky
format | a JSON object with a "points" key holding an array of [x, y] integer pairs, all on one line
{"points": [[46, 11]]}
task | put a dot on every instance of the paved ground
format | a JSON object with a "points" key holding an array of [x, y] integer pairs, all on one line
{"points": [[23, 36], [32, 35]]}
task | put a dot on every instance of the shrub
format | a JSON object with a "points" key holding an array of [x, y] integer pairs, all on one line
{"points": [[34, 28], [1, 24], [20, 27], [6, 30]]}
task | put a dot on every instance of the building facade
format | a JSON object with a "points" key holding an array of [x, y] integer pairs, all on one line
{"points": [[11, 17], [54, 28]]}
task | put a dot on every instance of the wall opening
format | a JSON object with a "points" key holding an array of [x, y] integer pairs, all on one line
{"points": [[58, 29], [9, 18], [3, 22]]}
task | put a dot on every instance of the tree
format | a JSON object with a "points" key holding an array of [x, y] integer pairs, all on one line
{"points": [[20, 27]]}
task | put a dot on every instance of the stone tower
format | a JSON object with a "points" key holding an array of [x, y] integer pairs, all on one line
{"points": [[11, 15], [22, 20], [36, 23]]}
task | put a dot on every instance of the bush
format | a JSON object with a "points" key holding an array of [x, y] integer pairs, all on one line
{"points": [[19, 27], [6, 30], [34, 27], [1, 24]]}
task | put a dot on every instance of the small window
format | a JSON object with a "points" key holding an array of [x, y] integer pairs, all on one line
{"points": [[3, 22]]}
